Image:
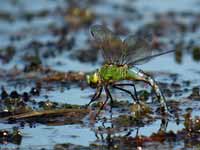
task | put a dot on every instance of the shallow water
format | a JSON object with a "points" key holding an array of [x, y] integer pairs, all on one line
{"points": [[39, 29]]}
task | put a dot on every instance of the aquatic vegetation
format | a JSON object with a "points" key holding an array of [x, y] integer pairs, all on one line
{"points": [[65, 77], [18, 107], [6, 54], [78, 17], [14, 136], [46, 55], [143, 95], [14, 105], [178, 56], [85, 56], [140, 110], [191, 124], [195, 93], [196, 53]]}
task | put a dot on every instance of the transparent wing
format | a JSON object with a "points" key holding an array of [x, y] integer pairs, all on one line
{"points": [[111, 45], [137, 48]]}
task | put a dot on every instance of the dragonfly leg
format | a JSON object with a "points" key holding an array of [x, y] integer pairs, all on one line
{"points": [[96, 95], [127, 91], [111, 99], [108, 95], [163, 125], [135, 92]]}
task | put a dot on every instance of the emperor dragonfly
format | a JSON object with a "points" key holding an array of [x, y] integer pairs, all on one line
{"points": [[120, 60]]}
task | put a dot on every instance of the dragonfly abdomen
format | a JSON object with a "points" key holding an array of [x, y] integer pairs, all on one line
{"points": [[134, 74], [137, 74]]}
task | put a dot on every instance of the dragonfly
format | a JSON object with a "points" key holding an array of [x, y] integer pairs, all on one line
{"points": [[120, 60]]}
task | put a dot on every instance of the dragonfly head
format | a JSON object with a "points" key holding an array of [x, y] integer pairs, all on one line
{"points": [[93, 80]]}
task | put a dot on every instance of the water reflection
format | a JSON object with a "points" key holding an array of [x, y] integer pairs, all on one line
{"points": [[134, 137], [110, 137]]}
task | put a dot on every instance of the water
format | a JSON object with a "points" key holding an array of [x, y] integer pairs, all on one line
{"points": [[39, 29]]}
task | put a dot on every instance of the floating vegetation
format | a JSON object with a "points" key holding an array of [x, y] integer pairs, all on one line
{"points": [[14, 136], [70, 76], [196, 53], [195, 95], [178, 56], [140, 110], [22, 107], [6, 54], [192, 124], [143, 95], [85, 56], [46, 55], [78, 17], [56, 116]]}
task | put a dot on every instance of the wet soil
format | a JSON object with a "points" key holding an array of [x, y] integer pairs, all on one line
{"points": [[46, 51]]}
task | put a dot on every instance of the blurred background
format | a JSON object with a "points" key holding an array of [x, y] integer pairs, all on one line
{"points": [[46, 47]]}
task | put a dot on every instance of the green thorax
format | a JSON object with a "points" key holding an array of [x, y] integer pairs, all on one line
{"points": [[112, 73]]}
